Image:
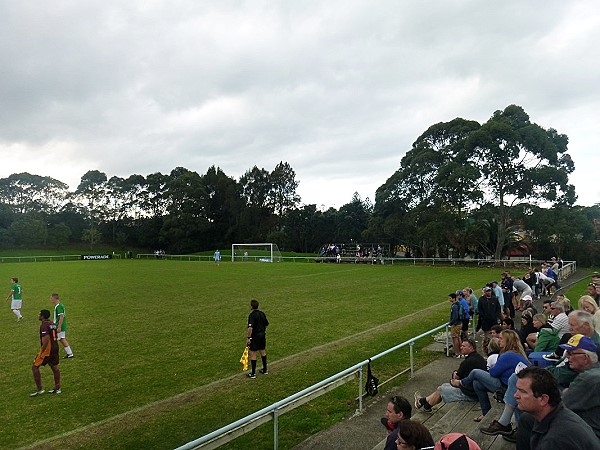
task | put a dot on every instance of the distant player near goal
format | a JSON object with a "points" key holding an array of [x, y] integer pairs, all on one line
{"points": [[16, 297]]}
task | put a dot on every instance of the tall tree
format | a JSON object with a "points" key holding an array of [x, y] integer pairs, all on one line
{"points": [[519, 162], [91, 194], [283, 194], [27, 193]]}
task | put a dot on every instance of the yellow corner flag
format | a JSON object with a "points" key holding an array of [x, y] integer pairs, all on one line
{"points": [[244, 360]]}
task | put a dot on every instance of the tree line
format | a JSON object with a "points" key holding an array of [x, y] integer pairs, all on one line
{"points": [[463, 189]]}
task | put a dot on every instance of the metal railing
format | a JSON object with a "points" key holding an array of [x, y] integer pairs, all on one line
{"points": [[46, 258], [272, 412]]}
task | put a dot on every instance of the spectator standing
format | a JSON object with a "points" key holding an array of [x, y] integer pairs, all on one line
{"points": [[507, 292], [455, 324], [472, 300], [490, 313], [497, 290], [464, 313], [522, 289]]}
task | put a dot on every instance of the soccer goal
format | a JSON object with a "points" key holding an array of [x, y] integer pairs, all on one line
{"points": [[264, 252]]}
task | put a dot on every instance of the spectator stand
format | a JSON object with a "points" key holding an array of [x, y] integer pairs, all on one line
{"points": [[353, 252]]}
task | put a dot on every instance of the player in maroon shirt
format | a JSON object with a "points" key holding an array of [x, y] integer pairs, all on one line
{"points": [[48, 354]]}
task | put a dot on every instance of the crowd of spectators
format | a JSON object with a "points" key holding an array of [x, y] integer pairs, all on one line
{"points": [[542, 366], [356, 253]]}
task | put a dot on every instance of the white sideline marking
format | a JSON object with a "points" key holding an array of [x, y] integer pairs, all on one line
{"points": [[222, 380]]}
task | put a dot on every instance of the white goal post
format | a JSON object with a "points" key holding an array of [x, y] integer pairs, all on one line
{"points": [[261, 252]]}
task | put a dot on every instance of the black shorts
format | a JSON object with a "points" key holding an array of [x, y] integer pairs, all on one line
{"points": [[258, 342], [465, 324]]}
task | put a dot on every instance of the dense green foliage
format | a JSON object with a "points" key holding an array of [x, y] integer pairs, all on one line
{"points": [[157, 344], [464, 189]]}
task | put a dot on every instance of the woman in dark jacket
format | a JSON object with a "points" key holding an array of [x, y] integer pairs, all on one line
{"points": [[526, 327]]}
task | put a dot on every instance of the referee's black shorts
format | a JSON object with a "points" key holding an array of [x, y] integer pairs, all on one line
{"points": [[258, 342]]}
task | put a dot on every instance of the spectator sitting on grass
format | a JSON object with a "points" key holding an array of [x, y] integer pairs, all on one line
{"points": [[446, 391]]}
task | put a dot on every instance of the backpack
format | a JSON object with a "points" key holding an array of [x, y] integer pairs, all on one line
{"points": [[372, 382]]}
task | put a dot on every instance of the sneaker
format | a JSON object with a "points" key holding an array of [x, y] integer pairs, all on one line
{"points": [[251, 375], [36, 393], [418, 404], [496, 428], [512, 437], [263, 371], [55, 391], [551, 357], [69, 356]]}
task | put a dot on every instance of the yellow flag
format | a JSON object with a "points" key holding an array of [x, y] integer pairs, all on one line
{"points": [[244, 360]]}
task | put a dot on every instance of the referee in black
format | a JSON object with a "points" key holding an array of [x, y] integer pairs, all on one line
{"points": [[256, 339]]}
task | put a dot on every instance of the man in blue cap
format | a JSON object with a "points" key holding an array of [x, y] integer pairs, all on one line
{"points": [[583, 395]]}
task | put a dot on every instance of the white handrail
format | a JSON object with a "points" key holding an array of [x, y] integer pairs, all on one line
{"points": [[274, 409]]}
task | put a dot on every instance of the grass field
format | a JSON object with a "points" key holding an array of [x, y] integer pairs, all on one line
{"points": [[157, 345]]}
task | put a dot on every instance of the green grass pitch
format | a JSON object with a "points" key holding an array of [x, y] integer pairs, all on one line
{"points": [[157, 345]]}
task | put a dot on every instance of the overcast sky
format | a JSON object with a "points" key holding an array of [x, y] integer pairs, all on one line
{"points": [[340, 89]]}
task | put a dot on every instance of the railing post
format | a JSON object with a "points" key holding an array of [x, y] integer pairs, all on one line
{"points": [[275, 428], [412, 366], [447, 342], [360, 389]]}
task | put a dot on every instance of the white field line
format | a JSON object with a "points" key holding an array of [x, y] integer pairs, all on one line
{"points": [[223, 380]]}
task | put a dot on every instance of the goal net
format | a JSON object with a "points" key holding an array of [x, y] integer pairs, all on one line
{"points": [[264, 252]]}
